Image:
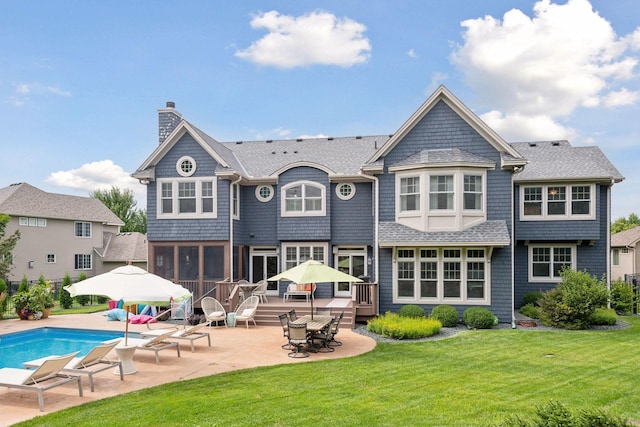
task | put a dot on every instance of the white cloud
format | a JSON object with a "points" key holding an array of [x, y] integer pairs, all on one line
{"points": [[101, 175], [621, 98], [320, 135], [437, 79], [412, 53], [512, 127], [315, 38], [536, 70], [278, 133], [23, 90]]}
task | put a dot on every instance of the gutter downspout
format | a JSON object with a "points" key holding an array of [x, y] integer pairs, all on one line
{"points": [[514, 322], [232, 183], [609, 236], [376, 192]]}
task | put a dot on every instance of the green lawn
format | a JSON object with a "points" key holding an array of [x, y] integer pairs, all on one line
{"points": [[473, 379]]}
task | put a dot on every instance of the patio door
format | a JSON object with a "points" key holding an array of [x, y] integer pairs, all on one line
{"points": [[264, 264], [350, 261]]}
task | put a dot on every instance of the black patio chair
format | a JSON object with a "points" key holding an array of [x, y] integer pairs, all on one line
{"points": [[284, 321], [334, 330], [323, 311], [324, 337], [292, 315], [298, 339]]}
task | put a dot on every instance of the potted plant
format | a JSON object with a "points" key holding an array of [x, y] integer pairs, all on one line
{"points": [[42, 295], [21, 301]]}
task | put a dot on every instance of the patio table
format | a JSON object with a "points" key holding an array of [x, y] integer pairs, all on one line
{"points": [[316, 324]]}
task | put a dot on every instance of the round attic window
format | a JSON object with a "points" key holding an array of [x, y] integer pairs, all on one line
{"points": [[264, 193], [345, 191], [186, 166]]}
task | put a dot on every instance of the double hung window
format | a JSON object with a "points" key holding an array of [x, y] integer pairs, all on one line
{"points": [[82, 229], [546, 262], [303, 199], [557, 202], [187, 198], [439, 275]]}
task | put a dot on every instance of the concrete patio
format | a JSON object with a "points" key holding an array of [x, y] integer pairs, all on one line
{"points": [[232, 349]]}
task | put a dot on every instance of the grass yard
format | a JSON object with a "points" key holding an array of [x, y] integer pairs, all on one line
{"points": [[473, 379]]}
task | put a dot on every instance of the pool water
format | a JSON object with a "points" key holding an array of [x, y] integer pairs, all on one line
{"points": [[19, 347]]}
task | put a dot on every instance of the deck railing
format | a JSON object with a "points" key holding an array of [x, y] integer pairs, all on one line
{"points": [[365, 298]]}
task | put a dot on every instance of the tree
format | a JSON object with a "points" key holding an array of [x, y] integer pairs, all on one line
{"points": [[622, 224], [6, 246], [122, 203], [66, 301]]}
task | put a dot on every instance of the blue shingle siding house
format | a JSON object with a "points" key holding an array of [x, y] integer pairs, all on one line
{"points": [[443, 211]]}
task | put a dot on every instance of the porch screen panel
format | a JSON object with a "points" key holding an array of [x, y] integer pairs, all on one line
{"points": [[214, 262]]}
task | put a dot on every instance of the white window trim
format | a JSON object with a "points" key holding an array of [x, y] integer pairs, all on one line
{"points": [[264, 199], [283, 254], [463, 300], [235, 201], [567, 216], [532, 278], [46, 258], [342, 196], [461, 215], [283, 200], [174, 195], [83, 236], [179, 164]]}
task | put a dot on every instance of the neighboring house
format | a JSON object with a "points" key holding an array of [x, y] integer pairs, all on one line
{"points": [[443, 211], [120, 249], [625, 254], [59, 233]]}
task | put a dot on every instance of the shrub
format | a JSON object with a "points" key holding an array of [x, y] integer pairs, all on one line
{"points": [[411, 310], [530, 310], [603, 316], [555, 413], [531, 298], [570, 305], [24, 285], [622, 297], [82, 299], [446, 314], [3, 297], [391, 325], [478, 318], [65, 299]]}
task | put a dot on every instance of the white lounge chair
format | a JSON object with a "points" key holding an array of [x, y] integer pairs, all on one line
{"points": [[190, 333], [94, 362], [213, 310], [261, 291], [299, 289], [247, 310], [45, 377], [155, 344]]}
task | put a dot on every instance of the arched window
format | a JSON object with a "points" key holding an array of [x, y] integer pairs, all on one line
{"points": [[303, 198]]}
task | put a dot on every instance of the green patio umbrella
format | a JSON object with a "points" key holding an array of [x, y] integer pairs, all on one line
{"points": [[314, 272]]}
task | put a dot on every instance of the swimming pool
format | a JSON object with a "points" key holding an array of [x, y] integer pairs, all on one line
{"points": [[19, 347]]}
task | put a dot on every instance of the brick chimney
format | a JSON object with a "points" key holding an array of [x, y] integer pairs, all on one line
{"points": [[168, 120]]}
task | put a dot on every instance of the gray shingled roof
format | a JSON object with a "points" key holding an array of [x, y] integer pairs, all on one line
{"points": [[341, 155], [442, 156], [26, 200], [124, 247], [493, 233], [554, 160], [626, 238]]}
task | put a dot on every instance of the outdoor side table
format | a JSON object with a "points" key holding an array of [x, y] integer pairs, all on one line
{"points": [[231, 320], [125, 354]]}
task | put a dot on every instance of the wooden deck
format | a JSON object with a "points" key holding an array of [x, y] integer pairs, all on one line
{"points": [[267, 314]]}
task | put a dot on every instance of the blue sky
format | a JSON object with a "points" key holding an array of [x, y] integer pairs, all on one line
{"points": [[81, 81]]}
